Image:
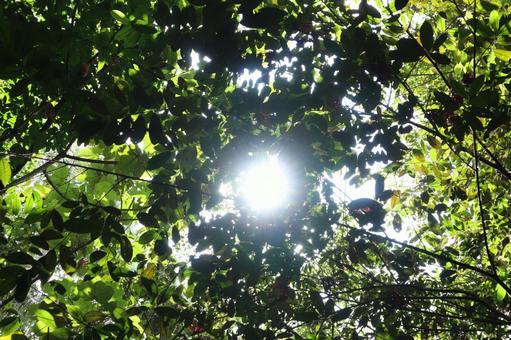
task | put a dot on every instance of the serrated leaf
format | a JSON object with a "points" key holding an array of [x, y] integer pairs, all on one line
{"points": [[473, 121], [485, 98]]}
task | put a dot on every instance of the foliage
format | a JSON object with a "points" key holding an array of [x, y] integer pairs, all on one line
{"points": [[122, 119]]}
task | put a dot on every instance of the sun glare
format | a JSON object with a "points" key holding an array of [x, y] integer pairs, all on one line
{"points": [[265, 185]]}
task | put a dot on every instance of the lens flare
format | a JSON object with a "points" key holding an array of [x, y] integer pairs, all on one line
{"points": [[265, 186]]}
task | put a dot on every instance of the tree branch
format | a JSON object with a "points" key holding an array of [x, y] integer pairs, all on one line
{"points": [[481, 210], [88, 160], [36, 171], [441, 257]]}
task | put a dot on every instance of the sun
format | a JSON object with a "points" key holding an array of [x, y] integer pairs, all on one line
{"points": [[265, 185]]}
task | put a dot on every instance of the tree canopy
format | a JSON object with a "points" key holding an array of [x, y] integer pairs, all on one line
{"points": [[123, 122]]}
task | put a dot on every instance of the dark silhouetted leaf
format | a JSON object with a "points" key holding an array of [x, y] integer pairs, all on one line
{"points": [[426, 34]]}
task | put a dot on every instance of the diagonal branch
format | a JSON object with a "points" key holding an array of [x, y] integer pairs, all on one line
{"points": [[441, 257], [36, 171], [481, 210]]}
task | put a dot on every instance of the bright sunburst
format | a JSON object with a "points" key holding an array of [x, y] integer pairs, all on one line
{"points": [[265, 185]]}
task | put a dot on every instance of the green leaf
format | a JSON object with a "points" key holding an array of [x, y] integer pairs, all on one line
{"points": [[138, 129], [94, 316], [441, 59], [447, 101], [305, 316], [500, 292], [400, 4], [126, 249], [341, 314], [156, 130], [9, 325], [102, 292], [494, 20], [20, 258], [83, 226], [175, 234], [502, 54], [266, 17], [23, 286], [145, 29], [317, 301], [148, 236], [166, 311], [158, 160], [162, 248], [19, 87], [489, 5], [120, 16], [147, 220], [5, 171], [485, 98], [409, 50], [46, 319], [373, 12], [440, 41], [426, 34], [473, 121], [97, 255]]}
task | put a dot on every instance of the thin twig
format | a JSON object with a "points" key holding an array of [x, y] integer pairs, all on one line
{"points": [[36, 171], [481, 210], [88, 160], [441, 257]]}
